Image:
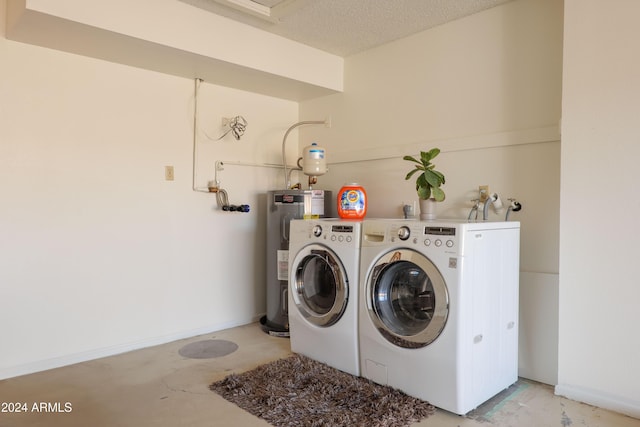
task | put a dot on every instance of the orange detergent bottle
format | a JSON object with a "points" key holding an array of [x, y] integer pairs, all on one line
{"points": [[352, 202]]}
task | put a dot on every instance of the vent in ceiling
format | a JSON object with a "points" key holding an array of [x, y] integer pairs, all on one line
{"points": [[269, 10]]}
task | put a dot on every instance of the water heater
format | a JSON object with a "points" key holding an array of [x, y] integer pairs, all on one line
{"points": [[282, 207]]}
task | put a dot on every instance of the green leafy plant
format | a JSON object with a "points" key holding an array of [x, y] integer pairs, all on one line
{"points": [[429, 181]]}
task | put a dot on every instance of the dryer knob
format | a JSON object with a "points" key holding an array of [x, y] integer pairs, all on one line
{"points": [[317, 230], [404, 232]]}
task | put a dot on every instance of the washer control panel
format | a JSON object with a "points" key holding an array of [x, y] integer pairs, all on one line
{"points": [[439, 236], [431, 236], [404, 232]]}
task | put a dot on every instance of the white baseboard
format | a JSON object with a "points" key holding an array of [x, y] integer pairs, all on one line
{"points": [[600, 399], [70, 359]]}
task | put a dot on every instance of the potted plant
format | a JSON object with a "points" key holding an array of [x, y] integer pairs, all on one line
{"points": [[428, 182]]}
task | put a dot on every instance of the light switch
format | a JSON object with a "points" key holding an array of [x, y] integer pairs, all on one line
{"points": [[168, 173]]}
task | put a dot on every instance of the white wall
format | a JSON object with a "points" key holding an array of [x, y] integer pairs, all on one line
{"points": [[599, 292], [486, 89], [98, 253], [178, 39]]}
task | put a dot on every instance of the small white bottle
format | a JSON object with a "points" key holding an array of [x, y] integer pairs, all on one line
{"points": [[314, 161]]}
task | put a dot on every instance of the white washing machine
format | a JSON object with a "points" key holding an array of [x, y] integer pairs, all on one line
{"points": [[324, 260], [439, 309]]}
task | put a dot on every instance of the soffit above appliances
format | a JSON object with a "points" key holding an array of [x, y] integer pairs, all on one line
{"points": [[345, 27]]}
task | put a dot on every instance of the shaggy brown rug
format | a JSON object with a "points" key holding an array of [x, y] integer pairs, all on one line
{"points": [[298, 391]]}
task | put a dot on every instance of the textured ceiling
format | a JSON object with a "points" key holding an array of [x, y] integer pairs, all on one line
{"points": [[345, 27]]}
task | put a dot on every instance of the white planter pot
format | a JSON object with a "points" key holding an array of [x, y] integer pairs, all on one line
{"points": [[427, 209]]}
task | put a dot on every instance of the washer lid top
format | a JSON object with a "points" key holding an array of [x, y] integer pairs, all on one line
{"points": [[407, 298]]}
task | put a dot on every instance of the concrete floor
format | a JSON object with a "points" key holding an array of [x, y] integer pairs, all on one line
{"points": [[159, 387]]}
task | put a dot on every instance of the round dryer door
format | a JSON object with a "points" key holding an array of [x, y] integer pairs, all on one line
{"points": [[408, 299], [319, 285]]}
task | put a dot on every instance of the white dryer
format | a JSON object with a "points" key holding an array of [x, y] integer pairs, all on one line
{"points": [[439, 309], [324, 260]]}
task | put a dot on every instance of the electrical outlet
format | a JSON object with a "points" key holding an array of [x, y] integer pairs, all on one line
{"points": [[484, 192], [168, 173]]}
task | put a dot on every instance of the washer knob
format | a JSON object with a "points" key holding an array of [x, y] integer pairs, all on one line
{"points": [[317, 230], [404, 232]]}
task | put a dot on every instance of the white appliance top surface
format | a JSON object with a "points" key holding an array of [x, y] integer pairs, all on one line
{"points": [[447, 222]]}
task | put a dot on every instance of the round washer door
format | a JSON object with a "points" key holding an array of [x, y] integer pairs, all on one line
{"points": [[407, 298], [319, 285]]}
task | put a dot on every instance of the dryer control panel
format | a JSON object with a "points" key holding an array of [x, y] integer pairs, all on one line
{"points": [[336, 233]]}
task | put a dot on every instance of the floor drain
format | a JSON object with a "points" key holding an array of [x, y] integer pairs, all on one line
{"points": [[208, 349]]}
